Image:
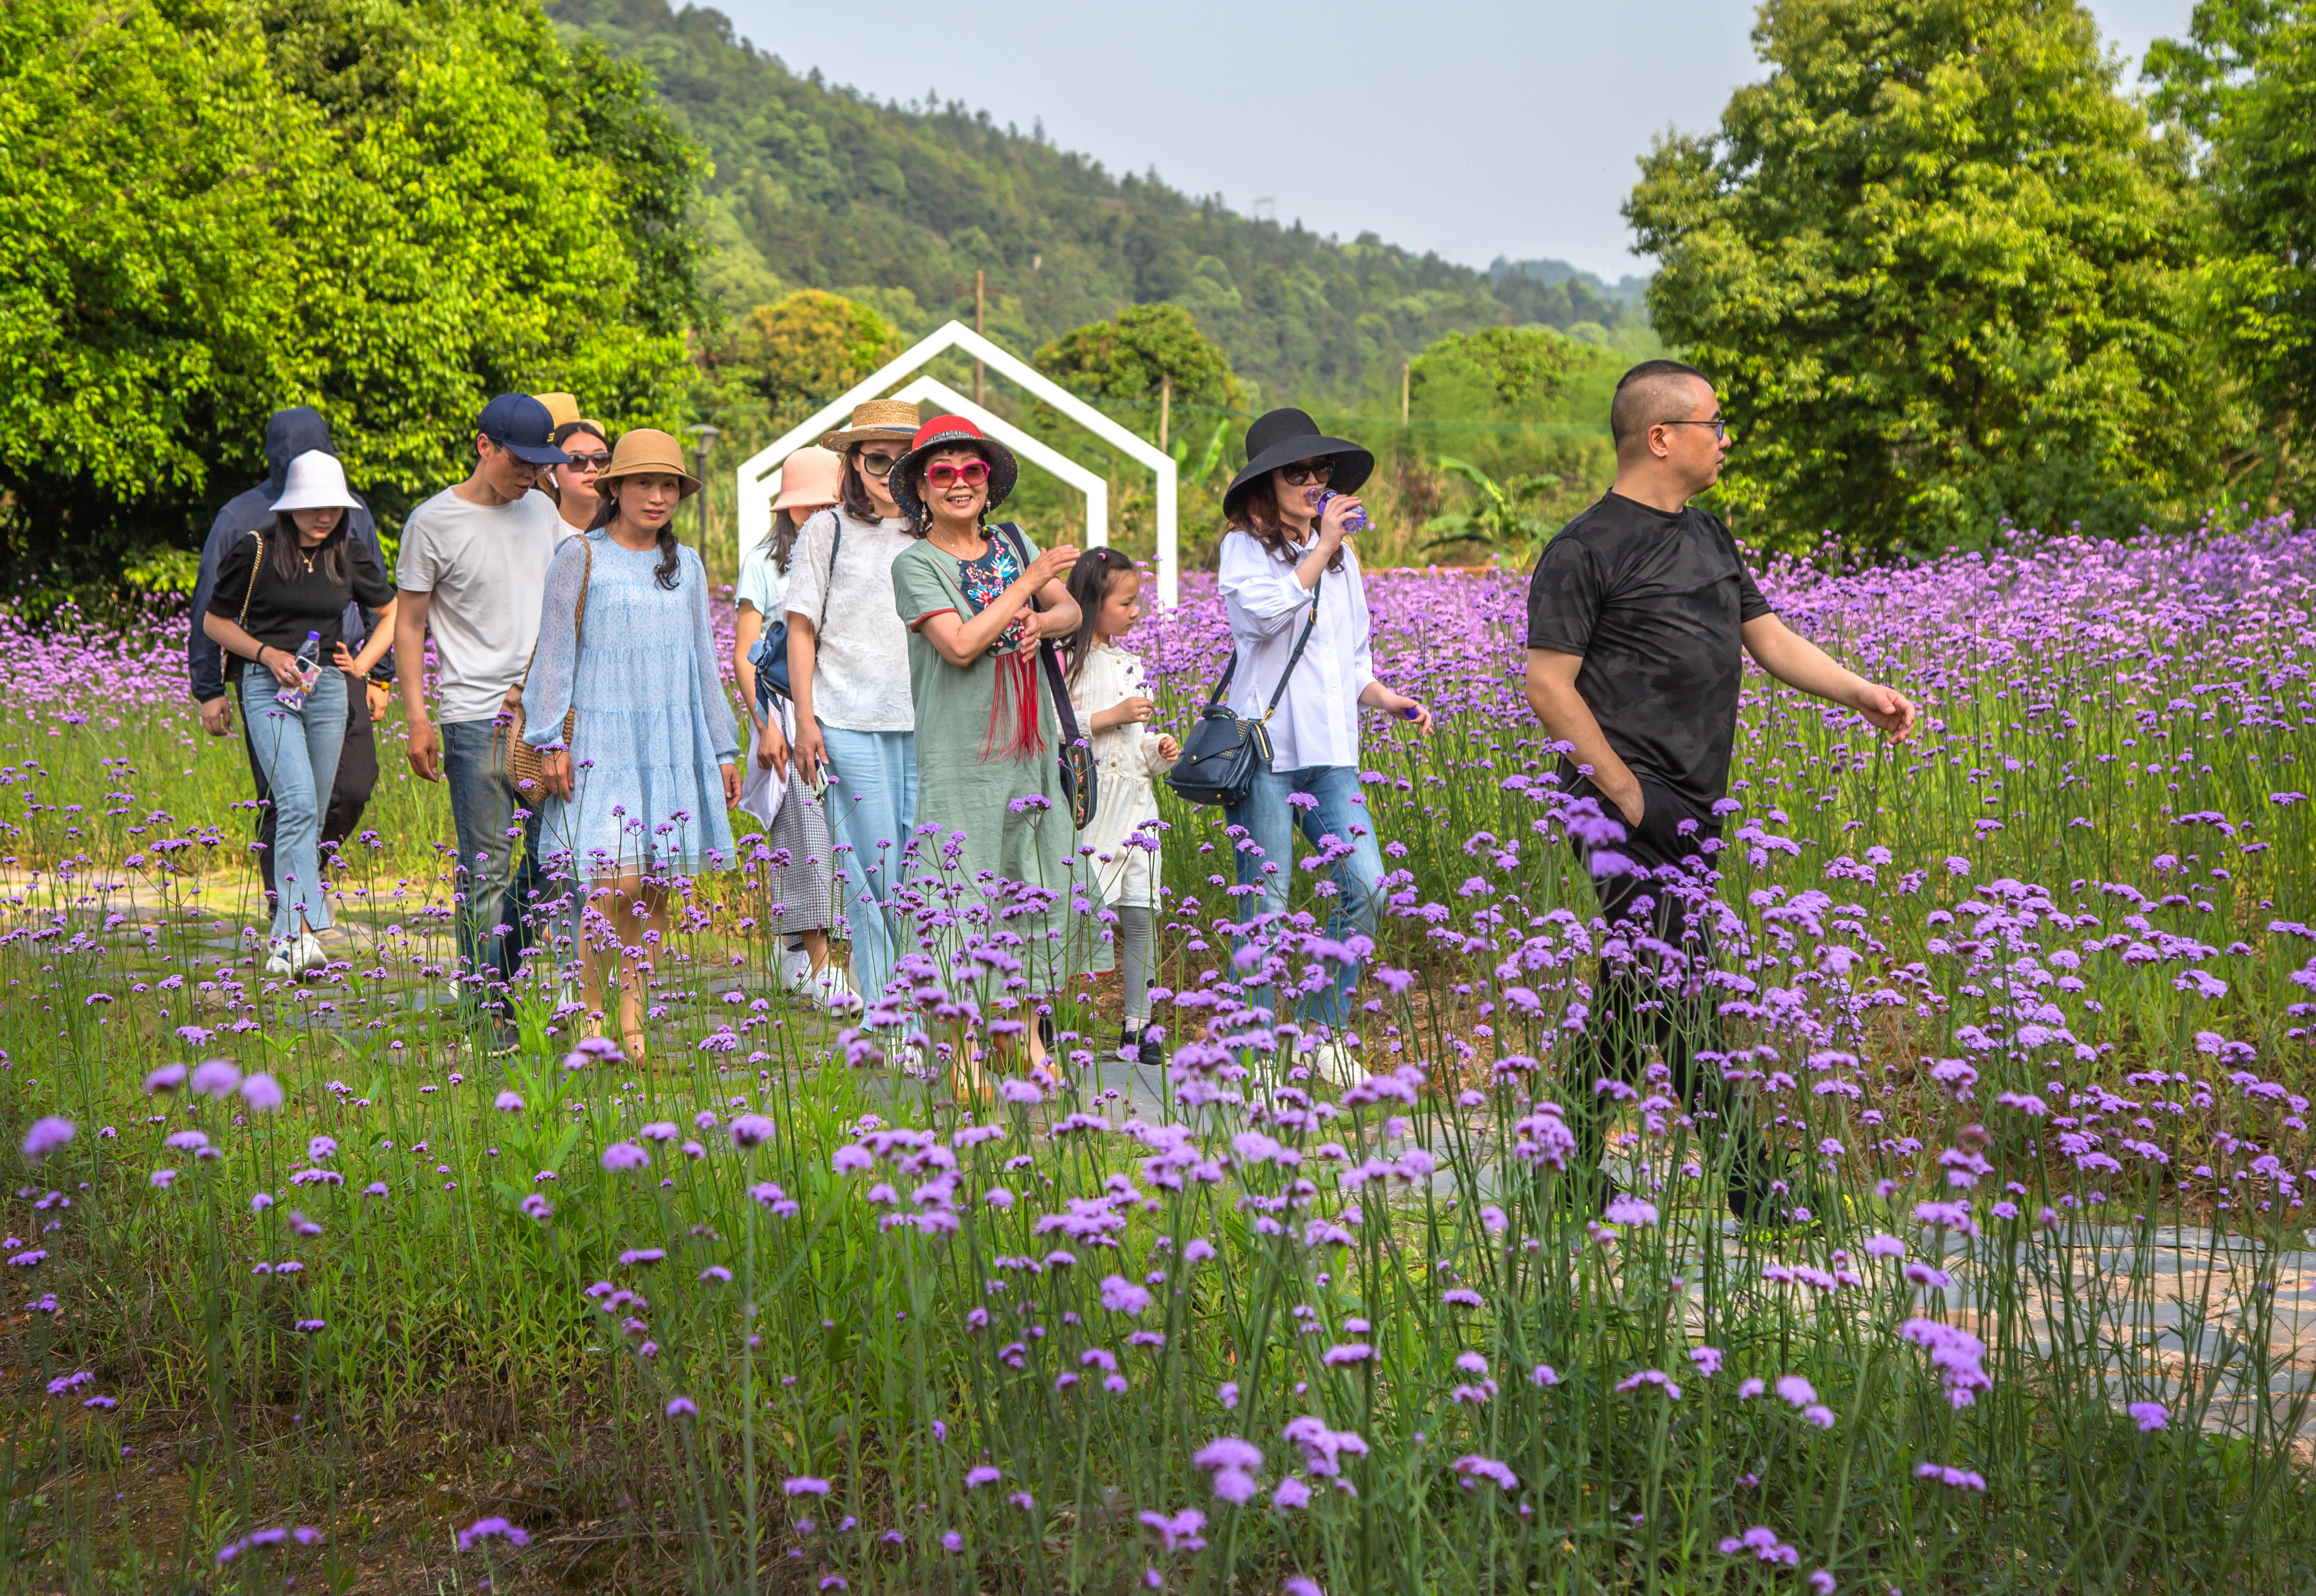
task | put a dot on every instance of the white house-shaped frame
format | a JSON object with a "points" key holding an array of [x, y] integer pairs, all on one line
{"points": [[758, 480]]}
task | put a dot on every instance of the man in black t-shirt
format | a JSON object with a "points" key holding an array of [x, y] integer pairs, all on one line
{"points": [[1639, 615]]}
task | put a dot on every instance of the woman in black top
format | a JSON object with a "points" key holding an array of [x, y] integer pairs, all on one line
{"points": [[280, 586]]}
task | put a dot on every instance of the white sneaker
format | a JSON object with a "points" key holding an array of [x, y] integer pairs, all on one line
{"points": [[1333, 1063], [307, 954], [278, 964], [795, 971], [833, 982]]}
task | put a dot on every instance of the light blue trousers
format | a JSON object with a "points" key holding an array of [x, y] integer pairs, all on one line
{"points": [[297, 750], [871, 807]]}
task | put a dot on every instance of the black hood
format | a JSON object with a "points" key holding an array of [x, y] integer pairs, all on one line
{"points": [[290, 433]]}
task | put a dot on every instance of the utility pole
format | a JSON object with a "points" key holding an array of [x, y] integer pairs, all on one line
{"points": [[1165, 406], [1404, 367], [704, 438], [980, 308]]}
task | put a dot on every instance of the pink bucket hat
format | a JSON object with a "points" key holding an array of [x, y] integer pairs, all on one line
{"points": [[810, 478]]}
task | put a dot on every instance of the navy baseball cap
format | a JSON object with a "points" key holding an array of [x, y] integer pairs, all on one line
{"points": [[521, 425]]}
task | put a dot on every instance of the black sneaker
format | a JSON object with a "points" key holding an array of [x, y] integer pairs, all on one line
{"points": [[1139, 1042]]}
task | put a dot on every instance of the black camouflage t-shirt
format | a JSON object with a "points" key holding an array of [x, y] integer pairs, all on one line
{"points": [[1653, 602]]}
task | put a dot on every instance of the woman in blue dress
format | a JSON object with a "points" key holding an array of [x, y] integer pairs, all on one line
{"points": [[637, 797]]}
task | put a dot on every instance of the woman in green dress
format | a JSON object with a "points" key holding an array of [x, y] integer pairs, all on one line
{"points": [[1001, 899]]}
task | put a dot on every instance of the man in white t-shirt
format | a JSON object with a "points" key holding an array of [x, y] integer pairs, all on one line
{"points": [[474, 567]]}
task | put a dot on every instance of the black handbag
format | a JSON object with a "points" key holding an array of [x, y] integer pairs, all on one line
{"points": [[1223, 754], [772, 656], [1080, 782]]}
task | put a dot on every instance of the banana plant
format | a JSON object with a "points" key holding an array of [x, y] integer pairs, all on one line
{"points": [[1208, 457], [1497, 519]]}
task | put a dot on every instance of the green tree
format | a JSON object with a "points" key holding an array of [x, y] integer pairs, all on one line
{"points": [[1128, 359], [1512, 373], [142, 285], [389, 208], [2242, 84], [1941, 271], [806, 350]]}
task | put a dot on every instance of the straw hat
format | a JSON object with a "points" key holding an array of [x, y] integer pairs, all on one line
{"points": [[949, 431], [895, 420], [809, 478], [562, 409], [647, 452], [1286, 437], [314, 481]]}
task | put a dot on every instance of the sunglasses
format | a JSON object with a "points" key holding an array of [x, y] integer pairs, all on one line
{"points": [[1307, 471], [514, 459], [589, 464], [879, 464], [971, 474]]}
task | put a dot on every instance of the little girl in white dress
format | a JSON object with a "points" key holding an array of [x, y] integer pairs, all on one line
{"points": [[1112, 699]]}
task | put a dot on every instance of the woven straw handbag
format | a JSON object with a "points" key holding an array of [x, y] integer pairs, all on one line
{"points": [[519, 764]]}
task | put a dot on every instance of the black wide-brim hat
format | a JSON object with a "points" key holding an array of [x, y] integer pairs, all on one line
{"points": [[950, 431], [1283, 437]]}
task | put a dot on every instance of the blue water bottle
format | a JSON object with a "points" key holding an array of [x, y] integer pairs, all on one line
{"points": [[1357, 522]]}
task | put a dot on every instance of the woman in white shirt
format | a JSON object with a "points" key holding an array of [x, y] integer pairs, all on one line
{"points": [[1287, 566], [848, 667]]}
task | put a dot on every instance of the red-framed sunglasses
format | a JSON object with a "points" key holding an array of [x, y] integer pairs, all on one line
{"points": [[971, 472]]}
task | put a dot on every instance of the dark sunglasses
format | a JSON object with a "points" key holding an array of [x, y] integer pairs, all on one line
{"points": [[1305, 473], [879, 464], [514, 459], [589, 464], [971, 474]]}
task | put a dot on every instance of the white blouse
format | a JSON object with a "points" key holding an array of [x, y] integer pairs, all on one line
{"points": [[1317, 722], [860, 670]]}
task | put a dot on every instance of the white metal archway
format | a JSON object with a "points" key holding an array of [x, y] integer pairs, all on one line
{"points": [[757, 481]]}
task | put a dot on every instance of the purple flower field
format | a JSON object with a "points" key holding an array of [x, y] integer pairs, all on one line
{"points": [[2016, 1013]]}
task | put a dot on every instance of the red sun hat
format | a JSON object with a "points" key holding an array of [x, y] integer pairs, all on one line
{"points": [[950, 431]]}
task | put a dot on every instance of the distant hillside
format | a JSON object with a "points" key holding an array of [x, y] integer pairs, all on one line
{"points": [[821, 187], [1628, 295]]}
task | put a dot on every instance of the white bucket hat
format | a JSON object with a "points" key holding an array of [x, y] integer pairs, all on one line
{"points": [[314, 481]]}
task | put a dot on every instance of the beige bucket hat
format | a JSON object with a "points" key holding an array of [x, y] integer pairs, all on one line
{"points": [[649, 452]]}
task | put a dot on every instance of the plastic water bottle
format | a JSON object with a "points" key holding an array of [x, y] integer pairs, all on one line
{"points": [[309, 673], [1357, 522]]}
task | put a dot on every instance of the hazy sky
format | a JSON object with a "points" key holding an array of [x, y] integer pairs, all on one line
{"points": [[1471, 127]]}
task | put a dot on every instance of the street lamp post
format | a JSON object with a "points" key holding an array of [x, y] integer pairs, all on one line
{"points": [[704, 438]]}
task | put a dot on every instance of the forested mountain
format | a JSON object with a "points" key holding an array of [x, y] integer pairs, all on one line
{"points": [[817, 186]]}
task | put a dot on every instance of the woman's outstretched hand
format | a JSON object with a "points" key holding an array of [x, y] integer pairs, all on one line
{"points": [[1052, 565]]}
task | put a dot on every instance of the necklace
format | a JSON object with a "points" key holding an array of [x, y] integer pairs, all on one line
{"points": [[951, 550]]}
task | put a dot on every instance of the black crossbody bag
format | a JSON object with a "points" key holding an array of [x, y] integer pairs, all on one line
{"points": [[772, 656], [1080, 784], [1223, 754]]}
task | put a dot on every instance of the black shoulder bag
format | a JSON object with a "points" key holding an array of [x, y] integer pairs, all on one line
{"points": [[1223, 754], [1080, 784], [772, 656]]}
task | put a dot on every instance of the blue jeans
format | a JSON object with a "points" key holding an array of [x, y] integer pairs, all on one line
{"points": [[871, 808], [1338, 816], [298, 750], [497, 870]]}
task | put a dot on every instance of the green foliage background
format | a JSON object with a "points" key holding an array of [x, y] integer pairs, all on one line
{"points": [[1943, 273], [1946, 269], [389, 208]]}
